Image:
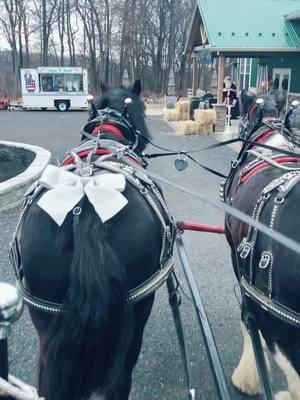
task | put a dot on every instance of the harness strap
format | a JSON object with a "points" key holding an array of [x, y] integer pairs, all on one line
{"points": [[149, 190], [104, 147], [134, 295], [264, 165], [280, 187], [270, 305]]}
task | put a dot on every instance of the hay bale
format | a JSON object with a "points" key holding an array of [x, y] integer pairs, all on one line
{"points": [[205, 117], [182, 106], [210, 129], [170, 115], [212, 116], [183, 109], [185, 116], [188, 127], [201, 128]]}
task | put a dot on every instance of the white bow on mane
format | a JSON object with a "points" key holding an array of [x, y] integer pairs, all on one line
{"points": [[66, 189]]}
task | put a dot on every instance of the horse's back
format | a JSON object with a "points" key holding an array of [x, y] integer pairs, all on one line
{"points": [[47, 249]]}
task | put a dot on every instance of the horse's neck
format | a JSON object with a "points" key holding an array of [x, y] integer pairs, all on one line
{"points": [[272, 137]]}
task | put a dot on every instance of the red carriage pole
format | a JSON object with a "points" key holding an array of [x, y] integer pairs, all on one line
{"points": [[193, 226]]}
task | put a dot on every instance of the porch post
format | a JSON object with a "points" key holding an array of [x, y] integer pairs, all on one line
{"points": [[221, 78], [195, 74]]}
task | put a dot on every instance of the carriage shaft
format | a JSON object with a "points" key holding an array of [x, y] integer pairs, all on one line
{"points": [[208, 338]]}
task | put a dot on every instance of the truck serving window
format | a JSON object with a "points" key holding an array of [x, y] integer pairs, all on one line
{"points": [[62, 83], [46, 82]]}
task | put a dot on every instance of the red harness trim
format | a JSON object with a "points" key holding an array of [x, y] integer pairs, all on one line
{"points": [[265, 165], [253, 108], [101, 152], [265, 137], [107, 128]]}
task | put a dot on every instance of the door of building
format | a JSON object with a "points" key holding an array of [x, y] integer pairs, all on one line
{"points": [[282, 78], [282, 81]]}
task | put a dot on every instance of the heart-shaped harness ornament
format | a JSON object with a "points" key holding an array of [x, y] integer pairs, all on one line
{"points": [[181, 164]]}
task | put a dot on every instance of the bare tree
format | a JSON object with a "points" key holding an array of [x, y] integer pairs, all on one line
{"points": [[146, 37], [71, 30], [61, 17], [47, 21], [10, 23]]}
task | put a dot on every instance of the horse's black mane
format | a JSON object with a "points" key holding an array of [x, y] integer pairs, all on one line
{"points": [[115, 99], [294, 120], [272, 107]]}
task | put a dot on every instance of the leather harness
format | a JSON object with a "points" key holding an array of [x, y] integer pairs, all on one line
{"points": [[275, 192], [117, 158]]}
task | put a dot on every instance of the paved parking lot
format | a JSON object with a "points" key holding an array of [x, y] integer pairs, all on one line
{"points": [[158, 374]]}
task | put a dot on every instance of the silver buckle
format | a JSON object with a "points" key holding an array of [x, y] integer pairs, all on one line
{"points": [[266, 257], [242, 244], [245, 251]]}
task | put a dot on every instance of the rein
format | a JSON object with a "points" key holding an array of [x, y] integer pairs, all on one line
{"points": [[171, 152]]}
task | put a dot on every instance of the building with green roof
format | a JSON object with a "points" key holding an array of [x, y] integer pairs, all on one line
{"points": [[262, 35]]}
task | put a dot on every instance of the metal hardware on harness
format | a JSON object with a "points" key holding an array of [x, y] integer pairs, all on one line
{"points": [[242, 244], [271, 305], [252, 236], [265, 260], [151, 285], [222, 191], [260, 159], [77, 210], [118, 149], [279, 188], [245, 250], [134, 295], [234, 164]]}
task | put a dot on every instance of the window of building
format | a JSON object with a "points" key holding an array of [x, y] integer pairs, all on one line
{"points": [[245, 73]]}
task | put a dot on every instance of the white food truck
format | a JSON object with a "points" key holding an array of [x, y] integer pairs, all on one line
{"points": [[62, 88]]}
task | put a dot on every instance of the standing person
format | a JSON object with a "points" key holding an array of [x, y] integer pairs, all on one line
{"points": [[230, 94]]}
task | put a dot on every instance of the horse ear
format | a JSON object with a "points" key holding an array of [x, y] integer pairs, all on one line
{"points": [[104, 88], [244, 96], [137, 87], [93, 112], [280, 102], [247, 100]]}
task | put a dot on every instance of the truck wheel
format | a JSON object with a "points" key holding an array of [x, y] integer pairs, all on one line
{"points": [[62, 106]]}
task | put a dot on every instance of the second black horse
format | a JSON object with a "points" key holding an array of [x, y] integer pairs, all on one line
{"points": [[264, 183]]}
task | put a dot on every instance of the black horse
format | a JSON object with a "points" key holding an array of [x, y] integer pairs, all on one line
{"points": [[264, 184], [90, 284]]}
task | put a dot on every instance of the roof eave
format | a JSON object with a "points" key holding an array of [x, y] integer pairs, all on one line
{"points": [[245, 50], [188, 44], [292, 17]]}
